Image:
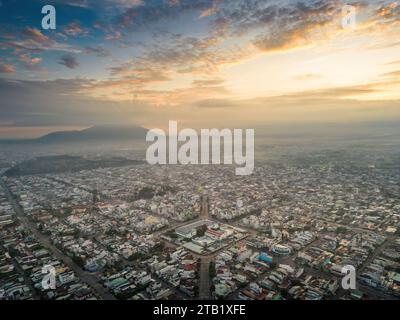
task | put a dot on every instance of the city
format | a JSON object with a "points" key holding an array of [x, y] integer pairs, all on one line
{"points": [[201, 232]]}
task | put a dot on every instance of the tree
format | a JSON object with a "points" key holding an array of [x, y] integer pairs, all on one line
{"points": [[341, 230], [159, 247], [201, 230], [79, 261]]}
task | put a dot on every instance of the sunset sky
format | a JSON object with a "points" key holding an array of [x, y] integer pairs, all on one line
{"points": [[204, 63]]}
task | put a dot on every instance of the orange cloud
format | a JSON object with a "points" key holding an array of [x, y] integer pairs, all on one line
{"points": [[28, 60], [36, 35], [7, 68], [74, 29]]}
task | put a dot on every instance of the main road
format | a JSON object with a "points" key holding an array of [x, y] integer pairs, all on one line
{"points": [[86, 277], [204, 278]]}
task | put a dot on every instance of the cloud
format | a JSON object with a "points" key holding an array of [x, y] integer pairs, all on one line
{"points": [[274, 26], [209, 12], [65, 102], [389, 12], [153, 12], [33, 41], [128, 3], [69, 61], [393, 62], [286, 27], [140, 89], [74, 29], [7, 68], [329, 95], [110, 31], [185, 55], [393, 74], [173, 2], [32, 63], [30, 46], [36, 35], [60, 103], [333, 92], [114, 35], [254, 25], [207, 82], [98, 51], [74, 3], [143, 72], [125, 81], [336, 104], [29, 60]]}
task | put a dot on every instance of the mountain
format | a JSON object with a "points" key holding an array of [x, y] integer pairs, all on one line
{"points": [[96, 133]]}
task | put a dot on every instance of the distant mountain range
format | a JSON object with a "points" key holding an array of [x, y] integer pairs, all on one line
{"points": [[96, 133], [339, 131]]}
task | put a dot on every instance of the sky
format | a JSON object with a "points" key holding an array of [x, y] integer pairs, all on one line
{"points": [[203, 63]]}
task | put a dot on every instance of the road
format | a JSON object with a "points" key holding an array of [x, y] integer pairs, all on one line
{"points": [[86, 277], [204, 278], [204, 274], [204, 214]]}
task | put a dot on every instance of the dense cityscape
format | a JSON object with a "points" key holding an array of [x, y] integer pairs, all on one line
{"points": [[201, 232]]}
